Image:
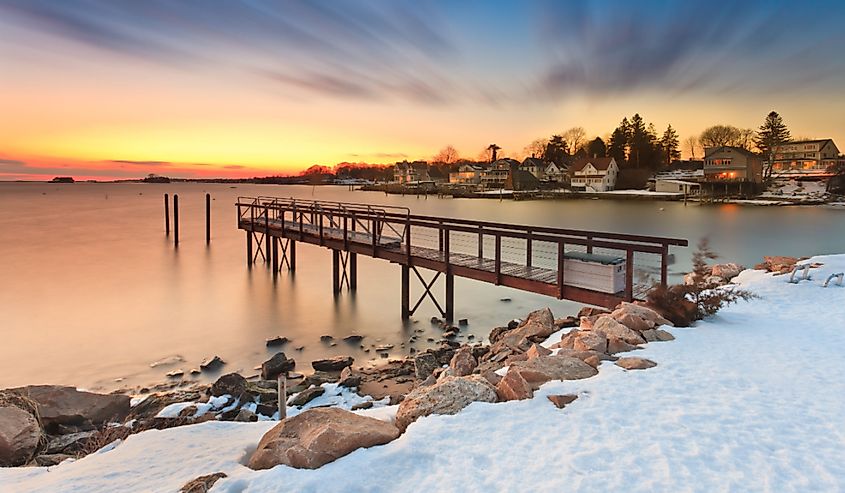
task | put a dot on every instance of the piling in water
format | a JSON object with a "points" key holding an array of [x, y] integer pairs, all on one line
{"points": [[166, 215], [175, 220], [207, 218]]}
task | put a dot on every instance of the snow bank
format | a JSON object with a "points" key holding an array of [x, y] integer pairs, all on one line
{"points": [[750, 400]]}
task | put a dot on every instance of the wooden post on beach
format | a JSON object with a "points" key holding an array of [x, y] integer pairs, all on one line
{"points": [[175, 220], [166, 214], [207, 218], [283, 397]]}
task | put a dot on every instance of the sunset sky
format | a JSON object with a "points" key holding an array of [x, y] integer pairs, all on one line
{"points": [[115, 89]]}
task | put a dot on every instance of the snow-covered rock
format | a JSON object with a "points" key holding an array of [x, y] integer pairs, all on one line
{"points": [[446, 396]]}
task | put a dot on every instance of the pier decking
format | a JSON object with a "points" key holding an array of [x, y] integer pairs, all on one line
{"points": [[550, 261]]}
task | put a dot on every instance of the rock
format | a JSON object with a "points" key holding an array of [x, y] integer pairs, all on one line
{"points": [[383, 347], [617, 345], [362, 405], [326, 338], [68, 443], [19, 435], [232, 384], [779, 264], [446, 396], [642, 311], [175, 373], [633, 363], [536, 351], [562, 400], [608, 327], [463, 362], [634, 322], [463, 322], [663, 335], [424, 365], [585, 355], [593, 361], [586, 323], [212, 364], [48, 460], [542, 323], [726, 271], [65, 405], [266, 409], [320, 377], [202, 484], [496, 334], [590, 311], [306, 396], [335, 363], [588, 340], [449, 334], [348, 379], [276, 365], [492, 377], [514, 324], [353, 338], [277, 341], [514, 387], [246, 416], [436, 321], [319, 436], [567, 322], [538, 371]]}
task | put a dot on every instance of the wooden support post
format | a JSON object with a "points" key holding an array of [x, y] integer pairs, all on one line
{"points": [[498, 259], [629, 275], [353, 271], [166, 215], [406, 292], [445, 248], [480, 242], [249, 248], [440, 235], [335, 271], [207, 218], [528, 253], [292, 255], [275, 256], [267, 259], [450, 297], [664, 260], [589, 244], [561, 268], [175, 220], [283, 396]]}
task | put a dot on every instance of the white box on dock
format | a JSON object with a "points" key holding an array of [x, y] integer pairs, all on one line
{"points": [[602, 273]]}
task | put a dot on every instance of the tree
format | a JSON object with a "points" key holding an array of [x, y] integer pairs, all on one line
{"points": [[691, 144], [596, 148], [746, 138], [447, 155], [617, 145], [669, 143], [489, 153], [556, 150], [772, 133], [720, 135], [536, 148], [575, 138]]}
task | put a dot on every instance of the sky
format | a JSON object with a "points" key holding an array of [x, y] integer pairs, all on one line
{"points": [[198, 88]]}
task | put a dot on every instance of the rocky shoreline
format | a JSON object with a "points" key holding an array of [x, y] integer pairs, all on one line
{"points": [[45, 425]]}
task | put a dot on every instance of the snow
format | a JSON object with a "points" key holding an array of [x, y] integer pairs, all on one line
{"points": [[749, 400]]}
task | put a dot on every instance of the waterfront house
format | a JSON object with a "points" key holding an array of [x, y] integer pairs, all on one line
{"points": [[519, 179], [727, 164], [495, 177], [467, 174], [805, 158], [406, 172], [668, 185], [556, 174], [596, 174], [537, 167]]}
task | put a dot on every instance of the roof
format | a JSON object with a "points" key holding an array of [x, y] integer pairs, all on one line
{"points": [[814, 141], [739, 150], [600, 163], [533, 161]]}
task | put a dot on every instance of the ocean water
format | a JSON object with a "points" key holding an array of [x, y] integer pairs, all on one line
{"points": [[93, 294]]}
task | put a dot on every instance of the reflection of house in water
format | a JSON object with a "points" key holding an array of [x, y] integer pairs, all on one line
{"points": [[805, 158]]}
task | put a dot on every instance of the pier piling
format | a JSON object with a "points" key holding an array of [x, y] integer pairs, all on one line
{"points": [[207, 218], [175, 220], [167, 214]]}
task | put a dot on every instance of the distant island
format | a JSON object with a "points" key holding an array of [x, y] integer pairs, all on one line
{"points": [[62, 179]]}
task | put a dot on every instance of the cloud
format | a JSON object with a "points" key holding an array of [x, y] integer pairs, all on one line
{"points": [[234, 166], [12, 163], [141, 163]]}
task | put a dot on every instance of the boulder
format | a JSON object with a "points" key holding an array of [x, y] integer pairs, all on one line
{"points": [[562, 400], [335, 363], [20, 435], [633, 363], [349, 379], [542, 323], [588, 340], [202, 484], [497, 333], [608, 327], [276, 365], [617, 345], [424, 365], [277, 341], [585, 355], [230, 384], [49, 460], [642, 311], [634, 322], [245, 416], [65, 405], [663, 335], [514, 387], [726, 271], [306, 396], [566, 322], [590, 311], [69, 443], [463, 363], [536, 351], [593, 361], [319, 436], [212, 364], [446, 396], [538, 371]]}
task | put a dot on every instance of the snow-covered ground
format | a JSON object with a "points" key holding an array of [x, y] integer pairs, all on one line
{"points": [[750, 400], [793, 189]]}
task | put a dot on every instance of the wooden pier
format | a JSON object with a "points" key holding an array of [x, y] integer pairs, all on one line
{"points": [[564, 263]]}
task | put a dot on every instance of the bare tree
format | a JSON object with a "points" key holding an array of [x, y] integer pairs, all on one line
{"points": [[447, 155], [746, 138], [720, 135], [691, 143], [536, 148], [575, 136]]}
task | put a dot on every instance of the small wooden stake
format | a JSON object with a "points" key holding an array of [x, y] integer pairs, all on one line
{"points": [[207, 218], [283, 397], [175, 220], [166, 214]]}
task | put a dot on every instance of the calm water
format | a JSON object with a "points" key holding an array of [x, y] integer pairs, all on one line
{"points": [[92, 291]]}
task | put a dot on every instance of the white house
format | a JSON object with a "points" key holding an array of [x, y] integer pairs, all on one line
{"points": [[596, 174], [467, 174]]}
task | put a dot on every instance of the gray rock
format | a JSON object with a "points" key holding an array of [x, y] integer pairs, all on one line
{"points": [[335, 363], [306, 396], [276, 365], [446, 396], [19, 436], [424, 365]]}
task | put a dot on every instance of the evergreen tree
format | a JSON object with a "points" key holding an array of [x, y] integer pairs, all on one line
{"points": [[617, 145], [670, 145], [772, 133], [639, 145], [596, 148], [556, 150]]}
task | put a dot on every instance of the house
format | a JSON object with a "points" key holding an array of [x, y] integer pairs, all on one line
{"points": [[406, 172], [726, 163], [519, 179], [677, 186], [467, 174], [537, 167], [594, 174], [495, 177], [805, 158], [556, 174]]}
